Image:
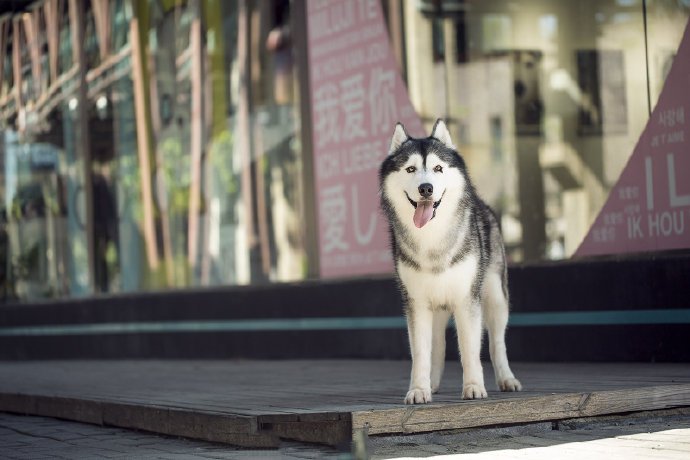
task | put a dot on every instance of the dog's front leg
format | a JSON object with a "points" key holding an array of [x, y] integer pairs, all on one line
{"points": [[438, 348], [468, 321], [419, 329]]}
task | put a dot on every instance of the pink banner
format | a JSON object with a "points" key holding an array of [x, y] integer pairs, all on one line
{"points": [[357, 97], [649, 207]]}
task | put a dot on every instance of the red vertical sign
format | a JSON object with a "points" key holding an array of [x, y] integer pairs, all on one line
{"points": [[649, 207], [357, 97]]}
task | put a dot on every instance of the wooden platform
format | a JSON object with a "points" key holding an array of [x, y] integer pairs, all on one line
{"points": [[259, 403]]}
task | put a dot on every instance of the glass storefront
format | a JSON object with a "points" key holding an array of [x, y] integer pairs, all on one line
{"points": [[150, 145], [546, 100], [170, 158]]}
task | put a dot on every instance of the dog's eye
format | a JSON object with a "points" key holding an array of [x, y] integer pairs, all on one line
{"points": [[410, 169], [438, 168]]}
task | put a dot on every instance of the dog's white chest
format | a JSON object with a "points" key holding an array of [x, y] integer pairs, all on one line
{"points": [[443, 288]]}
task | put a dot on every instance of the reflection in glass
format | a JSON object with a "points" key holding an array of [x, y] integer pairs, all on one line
{"points": [[188, 115], [547, 102]]}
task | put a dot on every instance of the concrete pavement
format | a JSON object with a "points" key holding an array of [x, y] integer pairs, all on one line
{"points": [[25, 437], [661, 435]]}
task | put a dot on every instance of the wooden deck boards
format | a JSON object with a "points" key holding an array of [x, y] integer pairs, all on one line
{"points": [[257, 403]]}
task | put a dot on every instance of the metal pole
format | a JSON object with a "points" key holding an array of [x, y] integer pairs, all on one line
{"points": [[299, 33]]}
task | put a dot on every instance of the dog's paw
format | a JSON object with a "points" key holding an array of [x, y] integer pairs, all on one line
{"points": [[510, 384], [418, 396], [473, 391]]}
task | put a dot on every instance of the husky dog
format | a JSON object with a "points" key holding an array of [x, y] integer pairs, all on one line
{"points": [[449, 260]]}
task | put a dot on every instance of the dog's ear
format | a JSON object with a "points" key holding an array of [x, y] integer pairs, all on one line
{"points": [[399, 137], [440, 132]]}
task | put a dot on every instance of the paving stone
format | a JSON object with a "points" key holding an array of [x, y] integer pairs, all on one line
{"points": [[661, 437]]}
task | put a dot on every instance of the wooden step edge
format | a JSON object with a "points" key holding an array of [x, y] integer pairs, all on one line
{"points": [[239, 430], [484, 413]]}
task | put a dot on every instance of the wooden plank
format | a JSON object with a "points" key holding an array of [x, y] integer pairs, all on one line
{"points": [[332, 428], [243, 403], [432, 417], [415, 419], [637, 399], [237, 430], [331, 432], [230, 429], [75, 409], [266, 432]]}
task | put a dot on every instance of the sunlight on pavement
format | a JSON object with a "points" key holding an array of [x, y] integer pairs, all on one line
{"points": [[667, 444]]}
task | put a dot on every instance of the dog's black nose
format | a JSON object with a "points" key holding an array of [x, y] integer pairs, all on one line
{"points": [[426, 190]]}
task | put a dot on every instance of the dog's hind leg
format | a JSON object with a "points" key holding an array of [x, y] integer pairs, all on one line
{"points": [[438, 348], [420, 330], [495, 306]]}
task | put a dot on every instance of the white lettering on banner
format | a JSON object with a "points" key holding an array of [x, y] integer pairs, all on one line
{"points": [[605, 234], [328, 165], [672, 117], [668, 138], [331, 68], [332, 19], [362, 157], [382, 99], [362, 238], [634, 227], [367, 9], [350, 60], [352, 102], [334, 215], [676, 201], [350, 99], [376, 53], [346, 41], [675, 137], [613, 218], [326, 115], [629, 192], [666, 223]]}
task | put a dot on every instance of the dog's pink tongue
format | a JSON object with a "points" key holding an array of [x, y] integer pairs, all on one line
{"points": [[423, 213]]}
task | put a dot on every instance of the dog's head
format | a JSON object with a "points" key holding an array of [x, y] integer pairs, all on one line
{"points": [[419, 176]]}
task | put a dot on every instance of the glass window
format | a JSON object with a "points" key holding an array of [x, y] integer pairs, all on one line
{"points": [[546, 100], [156, 145], [158, 149]]}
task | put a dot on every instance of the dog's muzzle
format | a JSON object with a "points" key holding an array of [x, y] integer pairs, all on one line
{"points": [[425, 209]]}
